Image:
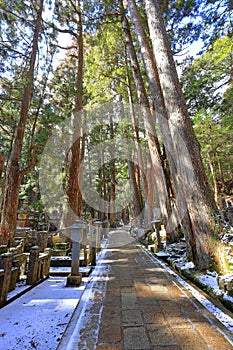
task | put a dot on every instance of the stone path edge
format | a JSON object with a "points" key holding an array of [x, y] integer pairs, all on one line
{"points": [[70, 332], [204, 300]]}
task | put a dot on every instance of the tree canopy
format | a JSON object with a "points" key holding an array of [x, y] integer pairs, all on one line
{"points": [[59, 59]]}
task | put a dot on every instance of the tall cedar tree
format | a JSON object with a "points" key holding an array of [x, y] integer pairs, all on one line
{"points": [[14, 173], [191, 176]]}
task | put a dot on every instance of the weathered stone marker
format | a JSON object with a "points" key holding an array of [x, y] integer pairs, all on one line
{"points": [[156, 224], [92, 230], [6, 265], [98, 226], [32, 276], [75, 232]]}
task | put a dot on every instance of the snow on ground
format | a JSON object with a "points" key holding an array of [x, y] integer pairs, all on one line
{"points": [[209, 279], [37, 319], [86, 319], [176, 253]]}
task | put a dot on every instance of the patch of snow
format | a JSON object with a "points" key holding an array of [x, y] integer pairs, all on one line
{"points": [[20, 287], [81, 326], [162, 254], [61, 269], [37, 319], [62, 258], [211, 282], [188, 265]]}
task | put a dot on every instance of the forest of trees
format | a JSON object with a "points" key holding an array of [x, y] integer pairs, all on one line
{"points": [[90, 90]]}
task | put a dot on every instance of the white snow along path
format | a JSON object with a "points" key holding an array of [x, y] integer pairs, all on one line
{"points": [[37, 319]]}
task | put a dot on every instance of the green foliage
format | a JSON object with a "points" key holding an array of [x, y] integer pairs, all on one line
{"points": [[105, 74], [190, 20], [208, 77], [207, 85], [17, 26]]}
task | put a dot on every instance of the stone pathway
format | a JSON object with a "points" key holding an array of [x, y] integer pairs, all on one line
{"points": [[132, 303]]}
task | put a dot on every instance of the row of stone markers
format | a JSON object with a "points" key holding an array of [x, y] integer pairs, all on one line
{"points": [[31, 264], [15, 262], [86, 236]]}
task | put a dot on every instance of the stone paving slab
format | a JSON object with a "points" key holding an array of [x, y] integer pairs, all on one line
{"points": [[135, 338], [139, 306]]}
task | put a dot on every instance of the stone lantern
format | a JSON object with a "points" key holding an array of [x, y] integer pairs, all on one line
{"points": [[75, 233], [98, 225]]}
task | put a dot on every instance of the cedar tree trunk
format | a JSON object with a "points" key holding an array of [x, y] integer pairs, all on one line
{"points": [[191, 176], [14, 173]]}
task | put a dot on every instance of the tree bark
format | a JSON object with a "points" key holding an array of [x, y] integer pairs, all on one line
{"points": [[72, 206], [14, 173], [102, 214], [151, 200], [192, 178], [223, 183], [162, 116], [140, 171], [2, 164], [149, 120], [135, 192], [112, 177], [214, 177]]}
